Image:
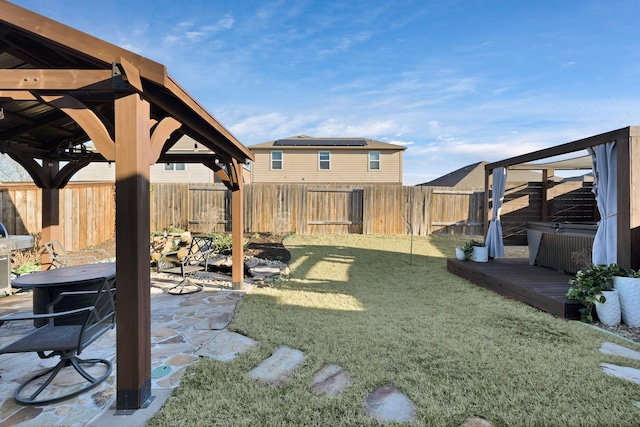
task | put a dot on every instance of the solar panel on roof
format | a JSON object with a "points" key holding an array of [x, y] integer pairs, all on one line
{"points": [[320, 143]]}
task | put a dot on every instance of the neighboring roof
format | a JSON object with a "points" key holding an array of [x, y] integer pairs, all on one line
{"points": [[304, 141], [472, 176]]}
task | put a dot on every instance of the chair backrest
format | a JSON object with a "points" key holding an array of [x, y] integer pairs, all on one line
{"points": [[99, 298], [103, 317], [200, 248], [57, 253]]}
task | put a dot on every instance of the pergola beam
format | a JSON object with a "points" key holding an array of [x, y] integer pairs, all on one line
{"points": [[29, 79]]}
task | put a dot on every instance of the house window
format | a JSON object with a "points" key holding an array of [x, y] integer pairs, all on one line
{"points": [[374, 160], [324, 160], [174, 166], [276, 160]]}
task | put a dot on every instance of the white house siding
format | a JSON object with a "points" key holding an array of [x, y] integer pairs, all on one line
{"points": [[347, 165]]}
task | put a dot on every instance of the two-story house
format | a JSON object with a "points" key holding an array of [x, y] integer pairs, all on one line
{"points": [[303, 159]]}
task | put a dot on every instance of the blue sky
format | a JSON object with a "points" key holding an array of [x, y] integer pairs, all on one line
{"points": [[457, 82]]}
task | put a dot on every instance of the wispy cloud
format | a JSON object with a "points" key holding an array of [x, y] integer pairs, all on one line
{"points": [[346, 43], [190, 32]]}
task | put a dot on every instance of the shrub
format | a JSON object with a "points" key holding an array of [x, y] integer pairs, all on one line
{"points": [[223, 243]]}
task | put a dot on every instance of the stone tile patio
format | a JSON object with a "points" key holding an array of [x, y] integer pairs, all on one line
{"points": [[180, 325]]}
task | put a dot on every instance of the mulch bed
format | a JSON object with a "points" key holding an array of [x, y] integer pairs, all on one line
{"points": [[268, 246], [623, 330]]}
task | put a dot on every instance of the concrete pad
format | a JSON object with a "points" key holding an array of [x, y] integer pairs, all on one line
{"points": [[387, 404], [226, 346], [278, 368], [618, 350], [331, 379], [623, 372]]}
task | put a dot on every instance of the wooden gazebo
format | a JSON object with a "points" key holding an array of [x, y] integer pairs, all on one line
{"points": [[627, 182], [546, 288], [61, 88]]}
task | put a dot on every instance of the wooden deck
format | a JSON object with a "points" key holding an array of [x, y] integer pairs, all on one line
{"points": [[514, 278]]}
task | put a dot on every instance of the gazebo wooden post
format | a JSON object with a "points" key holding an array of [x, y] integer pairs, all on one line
{"points": [[544, 204], [634, 207], [237, 229], [133, 339], [50, 212]]}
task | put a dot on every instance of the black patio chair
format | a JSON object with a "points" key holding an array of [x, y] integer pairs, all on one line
{"points": [[93, 313], [60, 257], [187, 261]]}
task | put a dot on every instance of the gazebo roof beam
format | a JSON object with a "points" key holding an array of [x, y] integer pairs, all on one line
{"points": [[569, 147]]}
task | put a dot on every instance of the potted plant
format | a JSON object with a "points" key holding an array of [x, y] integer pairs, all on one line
{"points": [[593, 286], [627, 283], [480, 251], [466, 252]]}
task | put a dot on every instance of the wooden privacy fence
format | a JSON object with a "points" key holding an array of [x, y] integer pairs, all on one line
{"points": [[366, 208], [87, 210], [320, 208]]}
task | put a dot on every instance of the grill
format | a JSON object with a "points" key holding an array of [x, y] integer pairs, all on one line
{"points": [[9, 243]]}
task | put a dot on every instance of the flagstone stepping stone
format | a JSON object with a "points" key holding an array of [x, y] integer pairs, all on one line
{"points": [[264, 271], [277, 368], [477, 422], [331, 379], [226, 346], [388, 404], [623, 372], [618, 350], [216, 321]]}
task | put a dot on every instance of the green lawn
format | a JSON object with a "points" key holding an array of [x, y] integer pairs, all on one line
{"points": [[454, 349]]}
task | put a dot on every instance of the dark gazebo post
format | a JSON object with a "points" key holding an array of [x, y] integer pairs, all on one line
{"points": [[132, 252]]}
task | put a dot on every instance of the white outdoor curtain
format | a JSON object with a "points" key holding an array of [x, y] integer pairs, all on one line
{"points": [[605, 245], [494, 234]]}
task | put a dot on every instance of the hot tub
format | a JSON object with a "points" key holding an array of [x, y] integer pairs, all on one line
{"points": [[552, 243]]}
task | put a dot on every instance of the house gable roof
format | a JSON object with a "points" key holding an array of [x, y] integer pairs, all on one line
{"points": [[472, 176]]}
